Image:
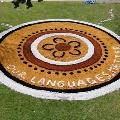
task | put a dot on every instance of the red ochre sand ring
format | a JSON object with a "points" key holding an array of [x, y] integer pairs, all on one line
{"points": [[29, 56]]}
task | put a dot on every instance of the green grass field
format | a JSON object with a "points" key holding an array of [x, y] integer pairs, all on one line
{"points": [[17, 106]]}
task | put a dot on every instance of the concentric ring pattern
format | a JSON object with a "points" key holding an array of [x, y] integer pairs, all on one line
{"points": [[60, 56]]}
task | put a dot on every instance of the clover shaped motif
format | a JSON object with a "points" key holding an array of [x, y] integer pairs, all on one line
{"points": [[62, 46]]}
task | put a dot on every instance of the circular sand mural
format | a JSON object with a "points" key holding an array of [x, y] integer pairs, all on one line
{"points": [[60, 59]]}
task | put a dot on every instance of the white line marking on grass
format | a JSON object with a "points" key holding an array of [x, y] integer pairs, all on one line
{"points": [[111, 17], [6, 25]]}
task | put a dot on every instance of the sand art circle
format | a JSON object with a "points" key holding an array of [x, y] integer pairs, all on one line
{"points": [[60, 59]]}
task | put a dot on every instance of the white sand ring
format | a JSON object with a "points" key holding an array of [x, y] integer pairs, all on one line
{"points": [[37, 54], [55, 95]]}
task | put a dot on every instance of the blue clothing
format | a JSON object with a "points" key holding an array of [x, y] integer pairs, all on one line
{"points": [[90, 1]]}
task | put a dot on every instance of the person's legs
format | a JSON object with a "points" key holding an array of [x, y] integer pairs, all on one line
{"points": [[29, 4], [16, 3]]}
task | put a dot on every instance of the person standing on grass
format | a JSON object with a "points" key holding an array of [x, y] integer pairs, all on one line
{"points": [[17, 2]]}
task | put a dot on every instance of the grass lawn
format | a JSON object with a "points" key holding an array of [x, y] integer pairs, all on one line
{"points": [[17, 106]]}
